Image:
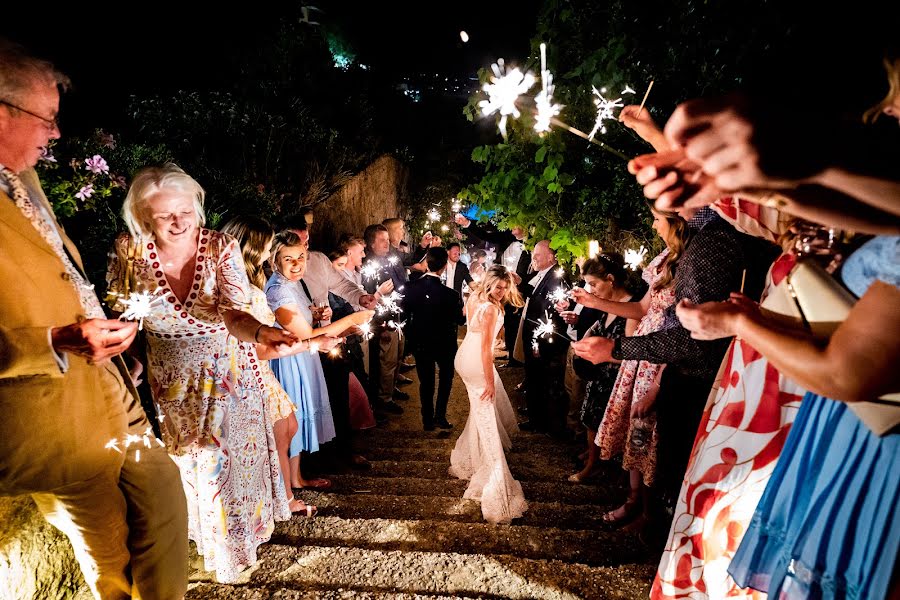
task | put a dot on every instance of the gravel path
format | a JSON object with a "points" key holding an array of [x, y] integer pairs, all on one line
{"points": [[402, 530]]}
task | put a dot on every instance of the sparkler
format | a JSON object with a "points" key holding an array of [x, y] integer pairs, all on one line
{"points": [[504, 89], [370, 270], [644, 101], [434, 215], [627, 90], [559, 272], [146, 439], [394, 260], [605, 110], [546, 109], [388, 304], [139, 306], [593, 248], [634, 258], [456, 206], [559, 295], [585, 136], [366, 329]]}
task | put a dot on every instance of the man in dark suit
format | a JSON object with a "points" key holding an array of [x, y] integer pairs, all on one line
{"points": [[509, 247], [457, 272], [433, 312], [545, 356]]}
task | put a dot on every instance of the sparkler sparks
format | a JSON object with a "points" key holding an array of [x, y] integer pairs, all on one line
{"points": [[139, 306], [370, 270], [605, 110], [634, 258], [559, 295], [546, 109], [627, 90], [394, 260], [456, 206], [366, 329], [146, 439], [434, 215], [503, 90], [388, 304]]}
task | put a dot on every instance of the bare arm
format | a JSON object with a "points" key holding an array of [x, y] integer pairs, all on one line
{"points": [[247, 328], [292, 320], [629, 310], [487, 353]]}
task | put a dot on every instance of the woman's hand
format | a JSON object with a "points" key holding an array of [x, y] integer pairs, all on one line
{"points": [[489, 392], [582, 296], [561, 306], [325, 343], [135, 372], [569, 316], [710, 320], [326, 313], [643, 407], [674, 180], [643, 124]]}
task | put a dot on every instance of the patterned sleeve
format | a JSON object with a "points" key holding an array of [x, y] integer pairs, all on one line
{"points": [[231, 277], [752, 218]]}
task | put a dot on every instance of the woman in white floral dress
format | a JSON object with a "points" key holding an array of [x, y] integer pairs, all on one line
{"points": [[203, 368]]}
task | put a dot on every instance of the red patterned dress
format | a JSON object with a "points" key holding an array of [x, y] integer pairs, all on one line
{"points": [[743, 428], [636, 381]]}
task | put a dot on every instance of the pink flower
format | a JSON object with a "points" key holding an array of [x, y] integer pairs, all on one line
{"points": [[47, 155], [87, 191], [107, 140], [96, 164]]}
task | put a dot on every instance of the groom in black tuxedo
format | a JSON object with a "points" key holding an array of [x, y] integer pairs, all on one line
{"points": [[433, 312]]}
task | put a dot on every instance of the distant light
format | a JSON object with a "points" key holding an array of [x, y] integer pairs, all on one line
{"points": [[464, 36]]}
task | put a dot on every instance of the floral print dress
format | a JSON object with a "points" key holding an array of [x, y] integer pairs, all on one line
{"points": [[278, 403], [210, 395], [744, 426], [637, 381]]}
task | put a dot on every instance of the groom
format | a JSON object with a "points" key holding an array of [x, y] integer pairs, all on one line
{"points": [[433, 312]]}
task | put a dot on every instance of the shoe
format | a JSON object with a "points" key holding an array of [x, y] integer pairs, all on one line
{"points": [[299, 507], [624, 513], [360, 463], [428, 427], [404, 367], [444, 424], [400, 395], [392, 407], [381, 419], [403, 380]]}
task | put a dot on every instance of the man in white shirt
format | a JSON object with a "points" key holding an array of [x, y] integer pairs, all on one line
{"points": [[457, 272]]}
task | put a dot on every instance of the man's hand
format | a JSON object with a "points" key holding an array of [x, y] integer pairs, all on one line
{"points": [[594, 349], [386, 287], [643, 125], [95, 339], [426, 240], [674, 180], [368, 301], [462, 221], [710, 320], [515, 277]]}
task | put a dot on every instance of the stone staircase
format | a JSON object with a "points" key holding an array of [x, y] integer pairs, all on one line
{"points": [[402, 530]]}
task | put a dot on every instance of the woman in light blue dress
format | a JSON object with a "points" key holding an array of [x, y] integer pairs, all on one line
{"points": [[301, 374]]}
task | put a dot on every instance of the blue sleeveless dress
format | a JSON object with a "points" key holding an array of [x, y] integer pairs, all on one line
{"points": [[301, 374], [827, 524]]}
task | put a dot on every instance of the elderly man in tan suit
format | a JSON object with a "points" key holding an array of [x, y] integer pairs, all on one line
{"points": [[69, 413]]}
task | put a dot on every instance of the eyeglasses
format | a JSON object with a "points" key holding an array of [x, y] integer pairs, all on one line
{"points": [[51, 124]]}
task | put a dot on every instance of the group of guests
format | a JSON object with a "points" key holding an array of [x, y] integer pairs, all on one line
{"points": [[743, 387]]}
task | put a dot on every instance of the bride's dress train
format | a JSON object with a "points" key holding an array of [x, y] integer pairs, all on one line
{"points": [[479, 454]]}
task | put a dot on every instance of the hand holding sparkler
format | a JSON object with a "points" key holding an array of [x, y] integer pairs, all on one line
{"points": [[644, 125], [569, 316], [138, 306], [94, 339], [595, 349]]}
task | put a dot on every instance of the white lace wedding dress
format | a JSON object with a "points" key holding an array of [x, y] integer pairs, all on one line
{"points": [[479, 453]]}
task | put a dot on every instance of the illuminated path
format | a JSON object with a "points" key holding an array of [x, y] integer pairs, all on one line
{"points": [[402, 530]]}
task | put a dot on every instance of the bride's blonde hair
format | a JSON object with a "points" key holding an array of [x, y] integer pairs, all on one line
{"points": [[482, 291]]}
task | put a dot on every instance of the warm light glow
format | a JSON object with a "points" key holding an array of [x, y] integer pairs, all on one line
{"points": [[593, 248]]}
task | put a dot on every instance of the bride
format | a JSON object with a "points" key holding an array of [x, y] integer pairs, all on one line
{"points": [[479, 452]]}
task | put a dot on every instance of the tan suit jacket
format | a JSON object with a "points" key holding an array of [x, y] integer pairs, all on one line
{"points": [[54, 425]]}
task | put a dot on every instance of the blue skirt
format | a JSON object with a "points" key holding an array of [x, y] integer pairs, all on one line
{"points": [[826, 525], [301, 377]]}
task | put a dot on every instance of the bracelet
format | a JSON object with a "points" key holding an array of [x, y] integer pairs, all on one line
{"points": [[256, 335]]}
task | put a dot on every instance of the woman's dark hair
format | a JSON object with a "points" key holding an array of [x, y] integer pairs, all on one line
{"points": [[610, 264]]}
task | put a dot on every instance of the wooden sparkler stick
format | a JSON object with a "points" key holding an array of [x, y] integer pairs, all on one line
{"points": [[644, 101], [743, 280], [585, 136]]}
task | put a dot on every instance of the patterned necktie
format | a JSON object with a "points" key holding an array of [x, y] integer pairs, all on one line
{"points": [[85, 289]]}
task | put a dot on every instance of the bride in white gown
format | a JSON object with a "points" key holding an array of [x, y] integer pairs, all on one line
{"points": [[479, 455]]}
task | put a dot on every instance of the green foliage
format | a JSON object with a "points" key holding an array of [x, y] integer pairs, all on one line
{"points": [[566, 190]]}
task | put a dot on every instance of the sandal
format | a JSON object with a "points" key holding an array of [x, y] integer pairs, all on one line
{"points": [[629, 510], [304, 509]]}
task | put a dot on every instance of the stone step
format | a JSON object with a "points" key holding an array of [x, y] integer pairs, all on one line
{"points": [[340, 572], [369, 506], [526, 469], [600, 548], [388, 437], [212, 591], [540, 491]]}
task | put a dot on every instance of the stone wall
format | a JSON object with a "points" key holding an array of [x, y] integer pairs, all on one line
{"points": [[36, 560], [369, 197]]}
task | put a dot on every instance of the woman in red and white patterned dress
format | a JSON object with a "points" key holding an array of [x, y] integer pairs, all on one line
{"points": [[743, 428]]}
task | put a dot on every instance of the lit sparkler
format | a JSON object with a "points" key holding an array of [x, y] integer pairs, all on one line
{"points": [[139, 306], [370, 270], [559, 272], [546, 109], [503, 90], [634, 258], [593, 248], [627, 90], [456, 206], [388, 304], [366, 329], [605, 110], [434, 215], [558, 295], [394, 260]]}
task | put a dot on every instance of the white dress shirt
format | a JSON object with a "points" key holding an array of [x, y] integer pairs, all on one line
{"points": [[450, 273]]}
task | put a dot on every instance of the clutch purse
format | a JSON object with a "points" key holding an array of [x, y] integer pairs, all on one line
{"points": [[814, 299]]}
